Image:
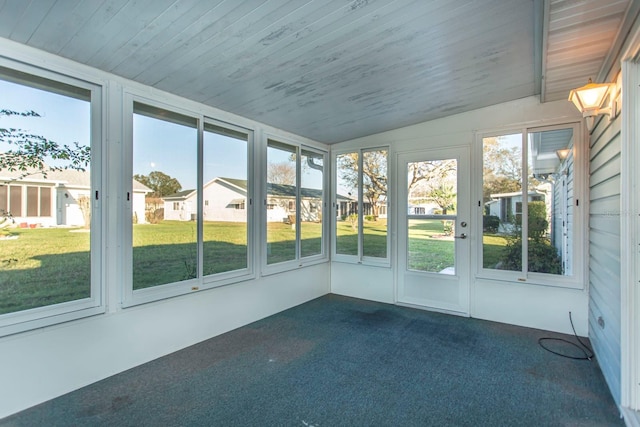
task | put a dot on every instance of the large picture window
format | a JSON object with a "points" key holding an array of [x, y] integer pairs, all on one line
{"points": [[190, 203], [529, 201], [360, 203], [294, 203], [49, 199]]}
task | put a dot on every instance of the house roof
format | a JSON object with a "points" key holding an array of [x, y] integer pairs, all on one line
{"points": [[184, 194], [274, 190], [283, 190]]}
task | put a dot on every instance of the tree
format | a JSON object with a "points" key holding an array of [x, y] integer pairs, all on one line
{"points": [[502, 168], [374, 175], [30, 152], [433, 171], [161, 183], [283, 173], [84, 203], [444, 197]]}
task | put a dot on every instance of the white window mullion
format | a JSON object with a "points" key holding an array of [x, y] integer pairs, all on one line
{"points": [[525, 204], [360, 207], [200, 200]]}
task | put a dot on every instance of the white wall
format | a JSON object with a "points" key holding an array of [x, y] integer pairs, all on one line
{"points": [[537, 306]]}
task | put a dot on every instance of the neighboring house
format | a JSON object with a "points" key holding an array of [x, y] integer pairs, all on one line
{"points": [[225, 199], [508, 206], [419, 206], [34, 200], [348, 206]]}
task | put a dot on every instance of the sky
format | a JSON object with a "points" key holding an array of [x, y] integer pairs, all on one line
{"points": [[64, 120], [171, 148]]}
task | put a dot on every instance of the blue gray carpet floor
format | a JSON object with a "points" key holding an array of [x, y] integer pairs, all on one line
{"points": [[338, 361]]}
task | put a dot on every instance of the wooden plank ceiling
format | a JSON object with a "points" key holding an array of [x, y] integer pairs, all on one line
{"points": [[580, 35], [328, 70]]}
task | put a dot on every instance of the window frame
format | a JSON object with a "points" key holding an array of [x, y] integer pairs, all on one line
{"points": [[131, 297], [39, 78], [298, 261], [580, 206], [360, 258]]}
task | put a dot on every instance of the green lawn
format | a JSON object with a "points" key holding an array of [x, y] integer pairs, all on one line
{"points": [[43, 267], [47, 266], [374, 238]]}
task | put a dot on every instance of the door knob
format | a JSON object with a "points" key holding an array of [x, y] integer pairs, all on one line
{"points": [[461, 236]]}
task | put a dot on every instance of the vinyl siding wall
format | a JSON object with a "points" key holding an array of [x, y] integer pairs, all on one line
{"points": [[604, 249]]}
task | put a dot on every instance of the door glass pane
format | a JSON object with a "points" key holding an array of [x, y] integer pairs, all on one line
{"points": [[502, 198], [225, 203], [281, 202], [432, 189], [347, 204], [374, 192], [45, 255], [550, 201], [164, 197], [311, 203]]}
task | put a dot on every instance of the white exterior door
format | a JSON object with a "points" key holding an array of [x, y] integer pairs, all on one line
{"points": [[434, 229]]}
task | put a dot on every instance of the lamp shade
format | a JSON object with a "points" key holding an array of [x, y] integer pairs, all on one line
{"points": [[589, 99], [563, 153]]}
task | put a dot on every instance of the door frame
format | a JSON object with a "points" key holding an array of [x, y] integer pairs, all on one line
{"points": [[463, 264], [630, 231]]}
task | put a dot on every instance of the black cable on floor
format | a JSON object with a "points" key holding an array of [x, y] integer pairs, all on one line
{"points": [[588, 353]]}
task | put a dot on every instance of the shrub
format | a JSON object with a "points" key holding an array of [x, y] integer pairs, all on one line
{"points": [[543, 256], [490, 223], [447, 227], [538, 223], [369, 218]]}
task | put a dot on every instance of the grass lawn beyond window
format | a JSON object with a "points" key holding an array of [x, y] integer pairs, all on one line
{"points": [[46, 266]]}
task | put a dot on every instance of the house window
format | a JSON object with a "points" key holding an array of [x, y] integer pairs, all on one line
{"points": [[38, 201], [295, 178], [206, 203], [15, 201], [52, 274], [361, 182], [10, 201], [176, 206], [530, 222]]}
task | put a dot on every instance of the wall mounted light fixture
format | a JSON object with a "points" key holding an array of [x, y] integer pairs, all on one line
{"points": [[590, 100], [563, 153]]}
